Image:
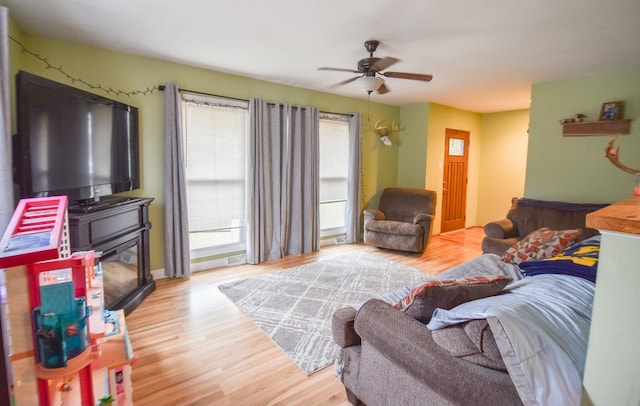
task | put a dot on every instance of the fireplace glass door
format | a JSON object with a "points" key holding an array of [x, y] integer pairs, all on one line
{"points": [[120, 272]]}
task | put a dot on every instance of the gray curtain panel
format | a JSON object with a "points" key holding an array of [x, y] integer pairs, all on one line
{"points": [[177, 257], [354, 187], [6, 190], [6, 182], [282, 180]]}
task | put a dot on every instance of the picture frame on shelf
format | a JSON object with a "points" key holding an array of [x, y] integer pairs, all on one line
{"points": [[611, 110]]}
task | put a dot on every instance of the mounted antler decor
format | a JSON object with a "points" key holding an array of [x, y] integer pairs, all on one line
{"points": [[384, 131], [613, 156]]}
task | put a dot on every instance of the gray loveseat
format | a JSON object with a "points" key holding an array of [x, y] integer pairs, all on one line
{"points": [[527, 215]]}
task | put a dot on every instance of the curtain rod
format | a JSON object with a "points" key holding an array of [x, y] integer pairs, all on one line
{"points": [[162, 87]]}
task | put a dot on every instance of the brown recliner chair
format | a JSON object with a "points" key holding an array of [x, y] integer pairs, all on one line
{"points": [[403, 221]]}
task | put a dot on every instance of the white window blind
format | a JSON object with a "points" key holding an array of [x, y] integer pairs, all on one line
{"points": [[334, 160], [215, 132]]}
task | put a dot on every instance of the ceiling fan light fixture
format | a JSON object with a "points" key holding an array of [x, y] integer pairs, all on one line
{"points": [[370, 83]]}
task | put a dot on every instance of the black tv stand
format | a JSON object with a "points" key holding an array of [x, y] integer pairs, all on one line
{"points": [[119, 229]]}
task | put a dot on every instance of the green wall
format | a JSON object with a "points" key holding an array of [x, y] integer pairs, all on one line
{"points": [[412, 145], [129, 72], [574, 168]]}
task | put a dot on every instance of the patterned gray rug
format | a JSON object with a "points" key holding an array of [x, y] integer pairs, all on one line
{"points": [[294, 307]]}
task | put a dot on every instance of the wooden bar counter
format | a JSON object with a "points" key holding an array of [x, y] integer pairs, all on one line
{"points": [[623, 217]]}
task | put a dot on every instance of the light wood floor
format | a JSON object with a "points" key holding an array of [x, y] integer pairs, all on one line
{"points": [[194, 347]]}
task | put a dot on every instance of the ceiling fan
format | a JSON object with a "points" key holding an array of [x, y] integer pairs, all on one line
{"points": [[372, 66]]}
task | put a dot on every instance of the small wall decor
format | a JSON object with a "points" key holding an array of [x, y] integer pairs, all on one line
{"points": [[611, 110], [384, 131], [578, 118], [613, 155]]}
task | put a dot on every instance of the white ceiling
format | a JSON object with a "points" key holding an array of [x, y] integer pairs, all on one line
{"points": [[484, 54]]}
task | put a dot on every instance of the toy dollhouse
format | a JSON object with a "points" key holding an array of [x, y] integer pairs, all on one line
{"points": [[80, 353]]}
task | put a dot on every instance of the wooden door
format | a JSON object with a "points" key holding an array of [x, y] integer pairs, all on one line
{"points": [[454, 183]]}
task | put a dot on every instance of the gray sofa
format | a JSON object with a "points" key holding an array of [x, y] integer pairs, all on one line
{"points": [[389, 358], [527, 215], [403, 220]]}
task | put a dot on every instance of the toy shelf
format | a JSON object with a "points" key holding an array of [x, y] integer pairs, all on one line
{"points": [[604, 127]]}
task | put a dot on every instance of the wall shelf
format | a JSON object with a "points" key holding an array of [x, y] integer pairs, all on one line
{"points": [[604, 127]]}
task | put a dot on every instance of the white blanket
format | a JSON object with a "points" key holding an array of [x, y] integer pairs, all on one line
{"points": [[486, 264], [541, 326]]}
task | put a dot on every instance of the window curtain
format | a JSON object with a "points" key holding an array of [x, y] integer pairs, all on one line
{"points": [[6, 182], [282, 178], [6, 189], [354, 187], [177, 260]]}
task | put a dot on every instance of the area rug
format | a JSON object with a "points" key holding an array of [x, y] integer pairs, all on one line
{"points": [[294, 307]]}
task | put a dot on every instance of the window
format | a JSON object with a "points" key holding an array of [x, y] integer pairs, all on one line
{"points": [[215, 134], [334, 161]]}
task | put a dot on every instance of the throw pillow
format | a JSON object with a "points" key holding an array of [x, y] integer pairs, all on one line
{"points": [[579, 259], [421, 302], [540, 244]]}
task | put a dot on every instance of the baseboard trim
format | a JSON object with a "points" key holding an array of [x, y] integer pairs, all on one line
{"points": [[207, 265]]}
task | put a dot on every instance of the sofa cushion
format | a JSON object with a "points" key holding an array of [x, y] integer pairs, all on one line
{"points": [[394, 227], [421, 302], [497, 246], [404, 204], [579, 259], [540, 244], [471, 341]]}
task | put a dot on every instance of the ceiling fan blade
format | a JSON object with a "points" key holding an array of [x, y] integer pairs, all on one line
{"points": [[340, 69], [404, 75], [384, 63], [383, 89], [344, 82]]}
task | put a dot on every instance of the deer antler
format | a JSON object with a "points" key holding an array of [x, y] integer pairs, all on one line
{"points": [[379, 127], [384, 130], [613, 155]]}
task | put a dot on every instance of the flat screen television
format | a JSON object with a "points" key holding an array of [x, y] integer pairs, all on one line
{"points": [[72, 142]]}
